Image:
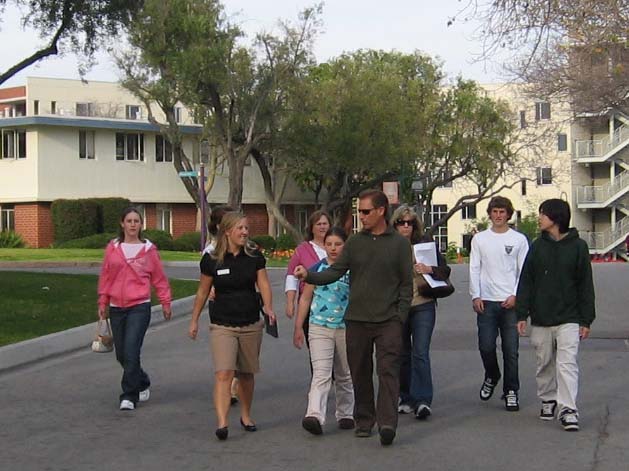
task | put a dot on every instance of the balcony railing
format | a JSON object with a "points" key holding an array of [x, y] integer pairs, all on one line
{"points": [[591, 149], [605, 241], [602, 193]]}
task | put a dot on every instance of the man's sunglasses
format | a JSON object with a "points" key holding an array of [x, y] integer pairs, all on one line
{"points": [[402, 222], [365, 212]]}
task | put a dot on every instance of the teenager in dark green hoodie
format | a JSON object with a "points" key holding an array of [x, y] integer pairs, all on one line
{"points": [[556, 291]]}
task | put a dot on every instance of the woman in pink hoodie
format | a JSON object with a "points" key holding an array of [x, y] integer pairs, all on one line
{"points": [[131, 265]]}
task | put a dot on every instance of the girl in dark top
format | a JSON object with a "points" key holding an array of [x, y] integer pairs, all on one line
{"points": [[234, 270]]}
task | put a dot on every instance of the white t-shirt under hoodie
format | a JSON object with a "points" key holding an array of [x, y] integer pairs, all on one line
{"points": [[496, 261]]}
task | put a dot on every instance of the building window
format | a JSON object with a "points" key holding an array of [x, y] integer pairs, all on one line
{"points": [[544, 176], [468, 211], [13, 144], [53, 107], [177, 112], [562, 142], [36, 107], [85, 109], [301, 216], [523, 187], [542, 110], [523, 124], [133, 112], [129, 146], [437, 211], [7, 217], [163, 149], [444, 175], [86, 144], [164, 218]]}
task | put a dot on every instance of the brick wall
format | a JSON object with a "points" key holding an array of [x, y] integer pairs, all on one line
{"points": [[150, 213], [184, 219], [12, 92], [33, 221], [257, 218]]}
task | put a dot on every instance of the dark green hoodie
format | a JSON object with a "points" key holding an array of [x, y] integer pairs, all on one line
{"points": [[556, 282]]}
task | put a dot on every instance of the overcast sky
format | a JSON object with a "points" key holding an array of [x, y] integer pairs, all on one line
{"points": [[403, 25]]}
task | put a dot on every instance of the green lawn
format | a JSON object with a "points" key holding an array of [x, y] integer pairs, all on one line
{"points": [[96, 255], [77, 255], [35, 304]]}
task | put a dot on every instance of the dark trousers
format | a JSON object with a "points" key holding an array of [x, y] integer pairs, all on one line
{"points": [[361, 338], [128, 326], [415, 372], [496, 319]]}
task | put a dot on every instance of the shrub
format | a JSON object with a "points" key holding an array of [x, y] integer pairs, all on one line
{"points": [[162, 239], [95, 241], [74, 219], [109, 210], [10, 240], [529, 227], [188, 242], [285, 242], [265, 241]]}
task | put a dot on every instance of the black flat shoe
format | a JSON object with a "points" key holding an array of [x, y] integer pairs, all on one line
{"points": [[249, 428], [221, 433]]}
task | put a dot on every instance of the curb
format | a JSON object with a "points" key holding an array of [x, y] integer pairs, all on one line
{"points": [[51, 345]]}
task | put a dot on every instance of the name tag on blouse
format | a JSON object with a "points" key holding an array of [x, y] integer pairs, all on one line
{"points": [[224, 271]]}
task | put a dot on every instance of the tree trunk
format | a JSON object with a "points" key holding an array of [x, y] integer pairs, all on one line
{"points": [[271, 206], [236, 164]]}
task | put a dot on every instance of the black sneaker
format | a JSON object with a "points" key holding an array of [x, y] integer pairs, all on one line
{"points": [[569, 420], [511, 401], [487, 389], [423, 411], [346, 423], [362, 432], [387, 434], [312, 425], [548, 410]]}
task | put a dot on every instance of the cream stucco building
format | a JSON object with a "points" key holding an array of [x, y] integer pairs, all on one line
{"points": [[73, 139]]}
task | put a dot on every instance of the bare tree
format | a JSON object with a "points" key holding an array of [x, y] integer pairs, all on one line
{"points": [[575, 50]]}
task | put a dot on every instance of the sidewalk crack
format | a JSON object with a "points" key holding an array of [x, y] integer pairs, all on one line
{"points": [[601, 438]]}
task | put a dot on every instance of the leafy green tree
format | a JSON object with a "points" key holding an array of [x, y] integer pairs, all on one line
{"points": [[468, 141], [79, 26], [186, 51], [357, 120]]}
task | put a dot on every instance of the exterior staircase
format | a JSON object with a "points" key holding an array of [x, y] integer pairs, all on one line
{"points": [[610, 240], [601, 150]]}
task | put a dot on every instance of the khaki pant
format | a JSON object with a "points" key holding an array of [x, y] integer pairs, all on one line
{"points": [[557, 375], [327, 350]]}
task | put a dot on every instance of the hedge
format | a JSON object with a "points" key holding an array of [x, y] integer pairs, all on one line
{"points": [[285, 242], [74, 219], [109, 211], [95, 241], [188, 242], [162, 239], [265, 241]]}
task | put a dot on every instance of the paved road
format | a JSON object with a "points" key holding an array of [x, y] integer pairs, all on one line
{"points": [[61, 414]]}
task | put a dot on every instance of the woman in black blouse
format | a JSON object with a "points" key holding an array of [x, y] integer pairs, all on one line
{"points": [[234, 270]]}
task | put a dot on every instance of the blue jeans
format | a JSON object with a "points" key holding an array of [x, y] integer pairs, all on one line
{"points": [[415, 372], [494, 320], [128, 326]]}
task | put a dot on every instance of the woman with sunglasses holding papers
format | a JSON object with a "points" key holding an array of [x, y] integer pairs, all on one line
{"points": [[415, 375]]}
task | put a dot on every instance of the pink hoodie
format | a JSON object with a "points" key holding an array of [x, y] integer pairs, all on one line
{"points": [[126, 283]]}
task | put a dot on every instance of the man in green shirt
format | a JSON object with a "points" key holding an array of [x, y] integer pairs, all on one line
{"points": [[381, 287]]}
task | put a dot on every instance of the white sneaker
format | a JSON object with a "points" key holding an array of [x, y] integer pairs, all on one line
{"points": [[145, 395], [405, 409], [125, 404]]}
